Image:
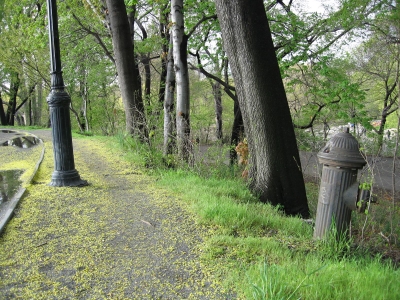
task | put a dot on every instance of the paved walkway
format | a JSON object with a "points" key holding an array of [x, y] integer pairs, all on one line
{"points": [[118, 238]]}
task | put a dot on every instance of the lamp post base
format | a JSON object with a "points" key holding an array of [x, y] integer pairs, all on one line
{"points": [[67, 178]]}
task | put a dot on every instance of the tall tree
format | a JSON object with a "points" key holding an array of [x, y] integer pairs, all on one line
{"points": [[37, 110], [169, 92], [21, 21], [237, 126], [325, 90], [144, 57], [378, 60], [275, 169], [12, 104], [217, 93], [165, 40], [3, 119], [182, 79], [128, 76], [90, 65]]}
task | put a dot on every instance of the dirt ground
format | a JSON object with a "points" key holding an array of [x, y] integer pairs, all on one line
{"points": [[118, 238]]}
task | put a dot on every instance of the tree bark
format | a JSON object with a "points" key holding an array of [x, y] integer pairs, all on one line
{"points": [[237, 130], [37, 105], [29, 110], [128, 76], [165, 39], [275, 169], [143, 57], [182, 80], [3, 118], [83, 90], [169, 123], [20, 120], [12, 104], [216, 87], [79, 121]]}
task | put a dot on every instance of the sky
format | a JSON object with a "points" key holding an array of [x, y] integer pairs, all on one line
{"points": [[317, 5]]}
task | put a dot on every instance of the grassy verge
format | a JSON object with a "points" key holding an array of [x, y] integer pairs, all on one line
{"points": [[266, 255], [262, 254]]}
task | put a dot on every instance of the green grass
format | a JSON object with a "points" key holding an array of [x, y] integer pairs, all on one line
{"points": [[311, 278], [259, 251], [262, 254], [17, 127]]}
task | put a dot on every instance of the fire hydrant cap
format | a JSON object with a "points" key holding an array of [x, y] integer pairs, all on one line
{"points": [[342, 150]]}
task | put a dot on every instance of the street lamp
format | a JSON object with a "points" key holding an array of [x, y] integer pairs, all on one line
{"points": [[59, 101]]}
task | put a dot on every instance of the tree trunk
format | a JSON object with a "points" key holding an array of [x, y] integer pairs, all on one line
{"points": [[237, 131], [216, 87], [84, 93], [147, 79], [81, 124], [29, 109], [37, 106], [20, 120], [275, 168], [169, 123], [182, 80], [85, 113], [128, 76], [3, 118], [143, 57], [381, 130], [12, 104], [165, 39]]}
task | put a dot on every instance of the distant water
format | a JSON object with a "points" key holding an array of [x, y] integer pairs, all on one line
{"points": [[18, 139]]}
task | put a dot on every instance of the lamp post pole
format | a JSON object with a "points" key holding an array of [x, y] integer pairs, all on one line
{"points": [[59, 101]]}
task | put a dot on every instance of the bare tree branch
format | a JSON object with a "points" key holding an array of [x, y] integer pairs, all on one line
{"points": [[31, 89], [97, 37], [205, 18], [207, 74]]}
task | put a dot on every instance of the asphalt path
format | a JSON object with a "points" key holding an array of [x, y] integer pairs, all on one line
{"points": [[120, 237]]}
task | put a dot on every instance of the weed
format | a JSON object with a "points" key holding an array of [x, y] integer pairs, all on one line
{"points": [[272, 283], [335, 245]]}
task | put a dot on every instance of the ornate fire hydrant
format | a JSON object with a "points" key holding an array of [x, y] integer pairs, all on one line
{"points": [[339, 193]]}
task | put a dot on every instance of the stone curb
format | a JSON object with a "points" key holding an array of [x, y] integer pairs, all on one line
{"points": [[11, 204]]}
